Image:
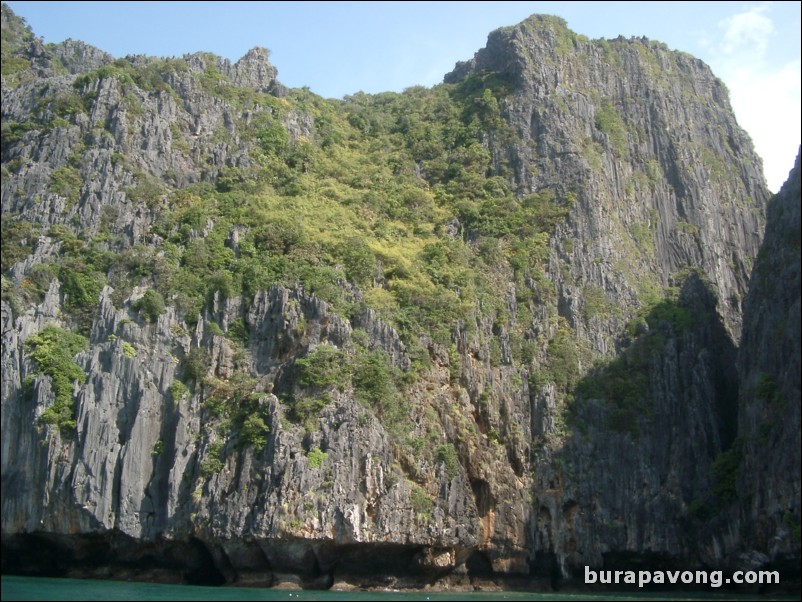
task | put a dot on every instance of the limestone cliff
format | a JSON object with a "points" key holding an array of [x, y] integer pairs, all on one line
{"points": [[767, 481], [484, 331]]}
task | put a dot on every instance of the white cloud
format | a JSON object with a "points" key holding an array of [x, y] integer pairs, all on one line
{"points": [[767, 105], [765, 96], [748, 30]]}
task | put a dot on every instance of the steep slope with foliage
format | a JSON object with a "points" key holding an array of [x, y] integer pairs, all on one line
{"points": [[485, 329], [763, 466]]}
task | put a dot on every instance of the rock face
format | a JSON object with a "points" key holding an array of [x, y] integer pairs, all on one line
{"points": [[131, 468], [274, 437], [635, 112], [767, 484], [645, 456]]}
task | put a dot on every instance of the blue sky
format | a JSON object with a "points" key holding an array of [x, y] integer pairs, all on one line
{"points": [[338, 48]]}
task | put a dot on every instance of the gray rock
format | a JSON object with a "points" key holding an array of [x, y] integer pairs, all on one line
{"points": [[662, 188]]}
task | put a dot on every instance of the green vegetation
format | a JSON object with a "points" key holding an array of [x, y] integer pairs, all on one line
{"points": [[16, 36], [178, 392], [27, 387], [595, 303], [343, 209], [422, 504], [238, 331], [12, 65], [147, 191], [623, 382], [609, 121], [447, 455], [565, 39], [12, 131], [371, 376], [81, 267], [254, 432], [81, 283], [678, 318], [376, 383], [397, 203], [686, 228], [149, 77], [713, 162], [68, 105], [316, 457], [66, 182], [196, 364], [53, 350], [699, 510], [17, 241], [725, 471], [363, 203], [236, 406], [212, 463], [562, 366], [324, 367], [322, 370], [150, 305], [766, 388]]}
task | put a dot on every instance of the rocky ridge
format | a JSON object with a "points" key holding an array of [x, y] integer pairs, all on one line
{"points": [[538, 468]]}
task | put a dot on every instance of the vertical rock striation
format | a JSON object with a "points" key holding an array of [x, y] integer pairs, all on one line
{"points": [[599, 417], [767, 453]]}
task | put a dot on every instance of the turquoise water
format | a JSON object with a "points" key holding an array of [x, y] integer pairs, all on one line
{"points": [[40, 588]]}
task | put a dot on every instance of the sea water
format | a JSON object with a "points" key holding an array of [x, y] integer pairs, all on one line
{"points": [[42, 588]]}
